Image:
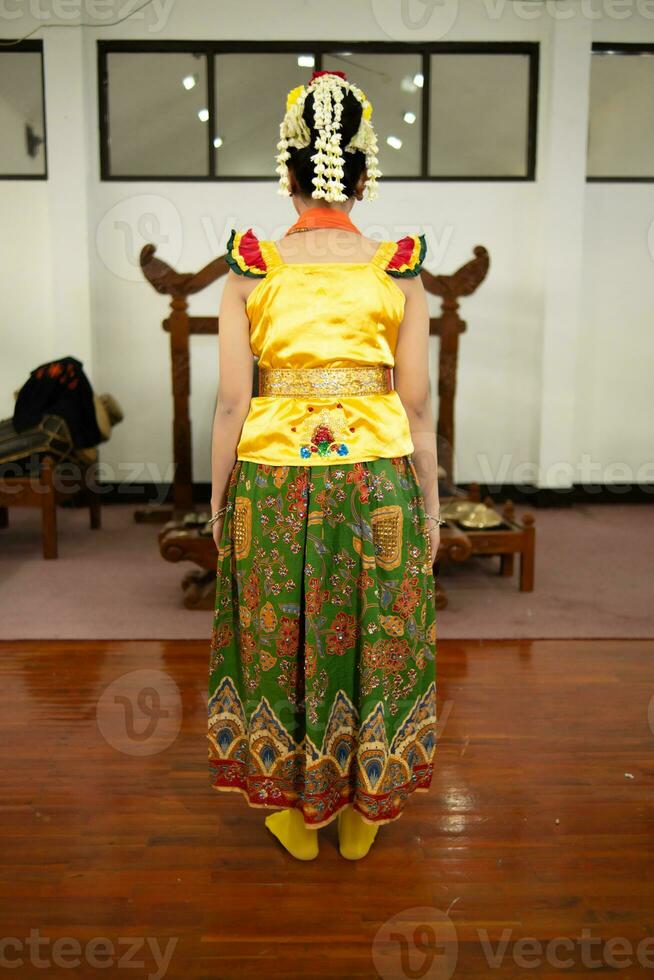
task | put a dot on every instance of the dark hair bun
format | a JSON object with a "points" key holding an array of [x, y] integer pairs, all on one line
{"points": [[300, 161]]}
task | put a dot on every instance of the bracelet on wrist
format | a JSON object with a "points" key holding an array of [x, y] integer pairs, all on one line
{"points": [[436, 518], [216, 517]]}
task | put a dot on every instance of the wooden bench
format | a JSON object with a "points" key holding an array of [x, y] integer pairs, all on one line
{"points": [[37, 471]]}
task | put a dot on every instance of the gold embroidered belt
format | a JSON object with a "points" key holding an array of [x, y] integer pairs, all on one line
{"points": [[314, 382]]}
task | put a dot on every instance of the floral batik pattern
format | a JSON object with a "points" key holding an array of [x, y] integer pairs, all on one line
{"points": [[322, 688]]}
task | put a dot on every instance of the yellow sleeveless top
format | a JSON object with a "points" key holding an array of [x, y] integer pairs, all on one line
{"points": [[324, 315]]}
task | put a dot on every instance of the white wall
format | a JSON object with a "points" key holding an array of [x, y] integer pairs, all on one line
{"points": [[25, 260], [615, 392], [535, 391]]}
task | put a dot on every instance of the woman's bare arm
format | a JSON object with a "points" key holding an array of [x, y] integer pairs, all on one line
{"points": [[234, 389], [411, 375]]}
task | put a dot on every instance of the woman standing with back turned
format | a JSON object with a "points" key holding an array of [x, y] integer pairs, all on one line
{"points": [[322, 698]]}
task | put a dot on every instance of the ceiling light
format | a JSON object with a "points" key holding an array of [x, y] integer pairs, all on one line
{"points": [[189, 82], [203, 115], [409, 117], [418, 80], [407, 84], [306, 61], [394, 142], [217, 142]]}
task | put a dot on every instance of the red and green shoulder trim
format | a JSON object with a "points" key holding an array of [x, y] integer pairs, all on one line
{"points": [[405, 257], [247, 255]]}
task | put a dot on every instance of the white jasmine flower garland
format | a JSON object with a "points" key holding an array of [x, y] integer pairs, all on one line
{"points": [[328, 90]]}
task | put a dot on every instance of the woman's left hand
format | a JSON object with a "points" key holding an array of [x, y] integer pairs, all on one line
{"points": [[217, 530]]}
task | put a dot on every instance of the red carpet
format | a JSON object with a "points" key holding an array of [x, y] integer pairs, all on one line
{"points": [[594, 578]]}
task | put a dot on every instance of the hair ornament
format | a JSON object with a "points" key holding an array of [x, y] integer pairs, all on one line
{"points": [[328, 89]]}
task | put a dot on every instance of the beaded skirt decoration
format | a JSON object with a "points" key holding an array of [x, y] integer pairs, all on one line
{"points": [[322, 684]]}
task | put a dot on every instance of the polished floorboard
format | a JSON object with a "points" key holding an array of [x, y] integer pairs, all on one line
{"points": [[532, 855]]}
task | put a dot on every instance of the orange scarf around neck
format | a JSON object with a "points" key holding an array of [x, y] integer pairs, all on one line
{"points": [[322, 218]]}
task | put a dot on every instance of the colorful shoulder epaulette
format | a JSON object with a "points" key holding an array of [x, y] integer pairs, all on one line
{"points": [[244, 254], [408, 257]]}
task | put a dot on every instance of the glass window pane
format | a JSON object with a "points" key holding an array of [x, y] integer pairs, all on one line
{"points": [[251, 92], [620, 136], [393, 84], [479, 115], [22, 147], [158, 115]]}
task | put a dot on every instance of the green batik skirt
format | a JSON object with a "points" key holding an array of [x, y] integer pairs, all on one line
{"points": [[322, 674]]}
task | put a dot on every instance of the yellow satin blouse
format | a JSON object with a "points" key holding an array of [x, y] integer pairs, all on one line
{"points": [[324, 315]]}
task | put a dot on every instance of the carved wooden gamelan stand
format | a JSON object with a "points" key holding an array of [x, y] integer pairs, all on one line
{"points": [[458, 543], [184, 537]]}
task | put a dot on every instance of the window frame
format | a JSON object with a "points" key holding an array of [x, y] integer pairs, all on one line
{"points": [[33, 47], [319, 49], [629, 49]]}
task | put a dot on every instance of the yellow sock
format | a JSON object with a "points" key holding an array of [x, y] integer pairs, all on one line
{"points": [[355, 835], [290, 830]]}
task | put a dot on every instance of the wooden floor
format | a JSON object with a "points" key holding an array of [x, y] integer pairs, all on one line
{"points": [[539, 826]]}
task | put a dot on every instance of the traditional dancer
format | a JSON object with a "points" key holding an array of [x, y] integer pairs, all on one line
{"points": [[322, 698]]}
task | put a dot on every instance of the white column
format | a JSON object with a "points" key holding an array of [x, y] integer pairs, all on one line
{"points": [[68, 133], [564, 169]]}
